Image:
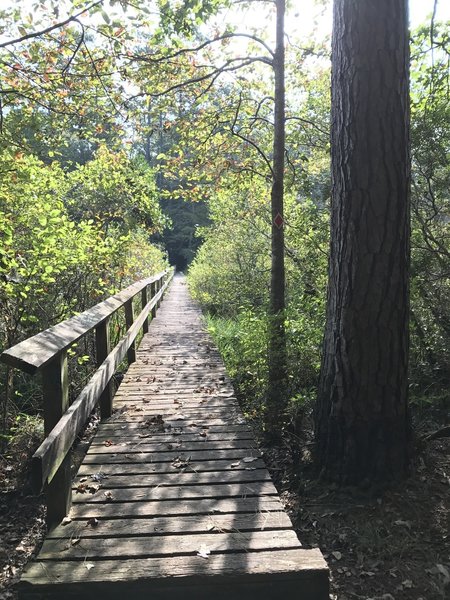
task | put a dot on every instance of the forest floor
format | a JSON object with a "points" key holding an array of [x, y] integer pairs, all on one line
{"points": [[385, 545]]}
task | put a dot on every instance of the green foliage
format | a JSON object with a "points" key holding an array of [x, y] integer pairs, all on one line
{"points": [[54, 263], [430, 283], [116, 190], [230, 278]]}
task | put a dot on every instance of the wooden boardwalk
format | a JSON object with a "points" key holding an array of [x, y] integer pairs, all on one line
{"points": [[173, 499]]}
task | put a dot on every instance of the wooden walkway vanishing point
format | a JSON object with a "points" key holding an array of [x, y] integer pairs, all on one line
{"points": [[173, 500]]}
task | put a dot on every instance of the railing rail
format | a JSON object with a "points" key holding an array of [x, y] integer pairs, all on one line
{"points": [[46, 352]]}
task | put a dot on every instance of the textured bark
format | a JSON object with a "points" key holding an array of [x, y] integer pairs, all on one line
{"points": [[277, 338], [362, 423]]}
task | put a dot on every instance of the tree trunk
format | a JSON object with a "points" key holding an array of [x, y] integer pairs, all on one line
{"points": [[276, 397], [362, 422]]}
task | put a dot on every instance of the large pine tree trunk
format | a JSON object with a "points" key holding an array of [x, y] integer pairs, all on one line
{"points": [[362, 424]]}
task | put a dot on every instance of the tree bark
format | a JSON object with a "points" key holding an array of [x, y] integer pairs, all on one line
{"points": [[277, 377], [362, 421]]}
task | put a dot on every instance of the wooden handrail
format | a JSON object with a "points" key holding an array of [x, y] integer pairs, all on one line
{"points": [[47, 351], [35, 352]]}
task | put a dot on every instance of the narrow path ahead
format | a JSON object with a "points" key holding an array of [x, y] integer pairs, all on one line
{"points": [[173, 499]]}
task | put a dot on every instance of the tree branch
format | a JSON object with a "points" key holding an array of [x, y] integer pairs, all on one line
{"points": [[36, 34]]}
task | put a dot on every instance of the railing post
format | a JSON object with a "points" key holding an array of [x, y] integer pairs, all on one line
{"points": [[153, 290], [144, 302], [102, 349], [160, 280], [129, 319], [55, 388]]}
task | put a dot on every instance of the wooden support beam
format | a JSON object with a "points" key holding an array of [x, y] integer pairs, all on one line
{"points": [[152, 295], [129, 320], [56, 402], [144, 302], [102, 346]]}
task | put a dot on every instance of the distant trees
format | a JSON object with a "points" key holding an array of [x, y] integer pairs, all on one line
{"points": [[362, 423]]}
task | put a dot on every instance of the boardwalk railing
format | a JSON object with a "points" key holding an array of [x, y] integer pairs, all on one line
{"points": [[46, 352]]}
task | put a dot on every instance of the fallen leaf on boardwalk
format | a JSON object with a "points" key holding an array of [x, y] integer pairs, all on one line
{"points": [[179, 462], [92, 522], [249, 459], [108, 496], [99, 476], [235, 464], [108, 443], [74, 541], [203, 552], [66, 521], [81, 489], [202, 433], [89, 566]]}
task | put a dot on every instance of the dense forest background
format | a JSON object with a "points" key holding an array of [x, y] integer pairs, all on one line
{"points": [[137, 135], [131, 139]]}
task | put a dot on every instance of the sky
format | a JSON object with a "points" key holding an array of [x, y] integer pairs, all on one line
{"points": [[310, 10]]}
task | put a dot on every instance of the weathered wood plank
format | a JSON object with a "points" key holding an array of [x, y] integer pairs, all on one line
{"points": [[173, 545], [118, 528], [55, 387], [182, 568], [129, 436], [193, 455], [177, 492], [193, 466], [185, 478], [142, 445], [202, 506]]}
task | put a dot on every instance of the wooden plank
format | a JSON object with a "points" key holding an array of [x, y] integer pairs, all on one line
{"points": [[166, 546], [33, 353], [55, 386], [138, 427], [142, 445], [119, 528], [185, 478], [193, 455], [201, 506], [177, 492], [202, 466], [128, 436], [129, 320], [297, 560], [103, 348]]}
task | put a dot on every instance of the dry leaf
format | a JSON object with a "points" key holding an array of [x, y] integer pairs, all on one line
{"points": [[89, 565], [92, 522], [203, 552]]}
